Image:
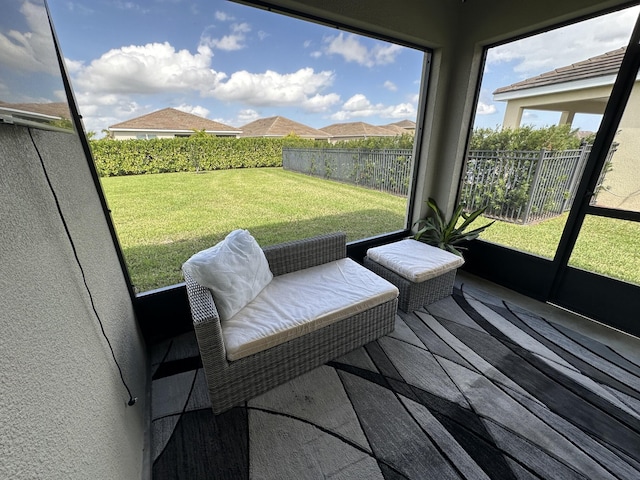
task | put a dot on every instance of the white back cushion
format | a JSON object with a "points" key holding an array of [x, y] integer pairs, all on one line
{"points": [[235, 270]]}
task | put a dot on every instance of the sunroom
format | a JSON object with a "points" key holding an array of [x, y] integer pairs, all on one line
{"points": [[81, 349]]}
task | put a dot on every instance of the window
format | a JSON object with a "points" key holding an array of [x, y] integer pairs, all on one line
{"points": [[280, 81], [536, 118]]}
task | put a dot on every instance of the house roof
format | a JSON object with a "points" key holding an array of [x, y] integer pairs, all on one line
{"points": [[55, 109], [173, 120], [599, 66], [406, 124], [358, 129], [280, 127], [395, 128]]}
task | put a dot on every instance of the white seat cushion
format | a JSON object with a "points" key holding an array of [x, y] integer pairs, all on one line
{"points": [[414, 260], [303, 301]]}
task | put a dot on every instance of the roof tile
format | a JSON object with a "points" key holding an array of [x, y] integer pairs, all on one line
{"points": [[601, 65], [173, 119], [280, 127]]}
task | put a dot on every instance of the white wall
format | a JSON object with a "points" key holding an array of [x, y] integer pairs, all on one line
{"points": [[63, 411]]}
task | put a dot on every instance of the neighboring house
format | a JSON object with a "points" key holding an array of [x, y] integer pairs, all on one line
{"points": [[169, 123], [53, 115], [395, 128], [281, 127], [585, 87], [403, 127], [582, 87], [356, 131], [58, 110]]}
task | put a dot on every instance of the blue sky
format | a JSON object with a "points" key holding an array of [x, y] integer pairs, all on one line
{"points": [[230, 63], [234, 64]]}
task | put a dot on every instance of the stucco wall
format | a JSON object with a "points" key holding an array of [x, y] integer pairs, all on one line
{"points": [[622, 182], [63, 411]]}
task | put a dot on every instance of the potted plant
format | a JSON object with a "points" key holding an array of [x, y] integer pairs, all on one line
{"points": [[437, 231]]}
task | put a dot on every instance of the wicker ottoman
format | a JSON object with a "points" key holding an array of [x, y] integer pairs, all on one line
{"points": [[422, 273]]}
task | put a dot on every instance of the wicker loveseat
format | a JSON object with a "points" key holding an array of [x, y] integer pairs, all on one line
{"points": [[232, 382]]}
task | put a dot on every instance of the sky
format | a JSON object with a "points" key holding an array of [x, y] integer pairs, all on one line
{"points": [[234, 64]]}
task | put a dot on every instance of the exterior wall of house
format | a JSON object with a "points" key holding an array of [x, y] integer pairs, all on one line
{"points": [[622, 182], [136, 135], [147, 135], [63, 408]]}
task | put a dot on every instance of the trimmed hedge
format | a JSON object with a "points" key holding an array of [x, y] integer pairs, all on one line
{"points": [[202, 152], [135, 157], [528, 138]]}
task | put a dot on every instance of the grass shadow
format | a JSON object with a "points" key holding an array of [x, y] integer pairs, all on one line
{"points": [[157, 266]]}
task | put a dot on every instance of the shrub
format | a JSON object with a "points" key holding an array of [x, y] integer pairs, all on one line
{"points": [[203, 152], [556, 137], [198, 152]]}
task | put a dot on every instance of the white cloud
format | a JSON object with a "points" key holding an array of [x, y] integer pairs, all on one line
{"points": [[194, 109], [112, 85], [566, 45], [352, 50], [385, 54], [78, 7], [321, 103], [389, 85], [359, 106], [100, 111], [151, 68], [132, 6], [30, 51], [485, 109], [73, 66], [301, 88], [234, 41], [246, 116], [223, 17]]}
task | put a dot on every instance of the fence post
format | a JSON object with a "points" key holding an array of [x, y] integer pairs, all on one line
{"points": [[577, 175], [533, 187]]}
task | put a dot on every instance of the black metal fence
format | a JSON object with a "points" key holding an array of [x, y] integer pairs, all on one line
{"points": [[515, 186], [523, 186], [388, 170]]}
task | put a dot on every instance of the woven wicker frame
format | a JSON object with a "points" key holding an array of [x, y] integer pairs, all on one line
{"points": [[415, 295], [233, 382]]}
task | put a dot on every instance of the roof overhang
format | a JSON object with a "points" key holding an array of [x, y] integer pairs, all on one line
{"points": [[583, 84]]}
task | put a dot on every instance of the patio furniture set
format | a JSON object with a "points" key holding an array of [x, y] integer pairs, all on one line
{"points": [[263, 316]]}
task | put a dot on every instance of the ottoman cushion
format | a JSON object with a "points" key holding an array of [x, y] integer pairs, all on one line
{"points": [[414, 260]]}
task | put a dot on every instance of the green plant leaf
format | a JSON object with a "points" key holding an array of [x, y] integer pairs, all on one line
{"points": [[436, 230]]}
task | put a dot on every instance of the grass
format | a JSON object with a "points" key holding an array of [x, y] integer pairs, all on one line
{"points": [[605, 245], [163, 219]]}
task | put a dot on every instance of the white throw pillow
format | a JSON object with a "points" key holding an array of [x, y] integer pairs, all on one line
{"points": [[235, 270]]}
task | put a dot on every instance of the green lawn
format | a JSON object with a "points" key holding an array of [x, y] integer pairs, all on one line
{"points": [[607, 246], [163, 219]]}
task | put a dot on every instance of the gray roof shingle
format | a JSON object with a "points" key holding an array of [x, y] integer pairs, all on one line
{"points": [[280, 127], [172, 119], [601, 65], [358, 129]]}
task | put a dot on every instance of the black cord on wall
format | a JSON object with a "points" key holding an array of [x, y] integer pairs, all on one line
{"points": [[132, 400]]}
